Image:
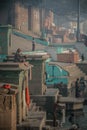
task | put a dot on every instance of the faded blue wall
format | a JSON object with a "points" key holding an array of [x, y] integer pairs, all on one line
{"points": [[55, 74], [2, 57]]}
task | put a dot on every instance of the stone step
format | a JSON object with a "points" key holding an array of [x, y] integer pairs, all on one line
{"points": [[46, 127], [49, 126], [74, 69], [34, 121], [82, 66], [75, 73], [78, 71], [57, 128], [34, 107]]}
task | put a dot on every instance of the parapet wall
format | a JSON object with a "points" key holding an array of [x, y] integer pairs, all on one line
{"points": [[72, 57]]}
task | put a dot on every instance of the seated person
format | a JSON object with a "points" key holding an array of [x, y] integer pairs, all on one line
{"points": [[19, 57]]}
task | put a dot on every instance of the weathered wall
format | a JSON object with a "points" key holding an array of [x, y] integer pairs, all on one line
{"points": [[22, 16], [37, 84]]}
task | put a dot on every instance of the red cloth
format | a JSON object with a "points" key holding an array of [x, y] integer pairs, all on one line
{"points": [[7, 86], [27, 96]]}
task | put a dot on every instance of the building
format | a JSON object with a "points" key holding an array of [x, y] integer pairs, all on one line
{"points": [[25, 16]]}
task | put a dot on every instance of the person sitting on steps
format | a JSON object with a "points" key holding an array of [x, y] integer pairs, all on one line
{"points": [[19, 57]]}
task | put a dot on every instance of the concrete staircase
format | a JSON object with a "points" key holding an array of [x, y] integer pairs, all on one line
{"points": [[82, 49], [74, 72], [35, 120], [82, 66], [33, 107]]}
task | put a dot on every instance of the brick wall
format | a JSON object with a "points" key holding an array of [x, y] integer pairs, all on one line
{"points": [[71, 57], [22, 17]]}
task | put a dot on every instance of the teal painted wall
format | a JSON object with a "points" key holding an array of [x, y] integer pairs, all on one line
{"points": [[2, 57], [55, 75], [5, 39], [59, 50]]}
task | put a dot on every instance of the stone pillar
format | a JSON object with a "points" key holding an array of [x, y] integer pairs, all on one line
{"points": [[37, 84], [35, 25], [17, 13]]}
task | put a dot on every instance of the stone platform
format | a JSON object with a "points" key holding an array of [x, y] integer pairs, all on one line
{"points": [[72, 103], [34, 121]]}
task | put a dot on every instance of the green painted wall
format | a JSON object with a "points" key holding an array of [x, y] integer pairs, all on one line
{"points": [[5, 39], [55, 75]]}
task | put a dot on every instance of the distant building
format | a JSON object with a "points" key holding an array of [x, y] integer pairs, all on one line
{"points": [[23, 15]]}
